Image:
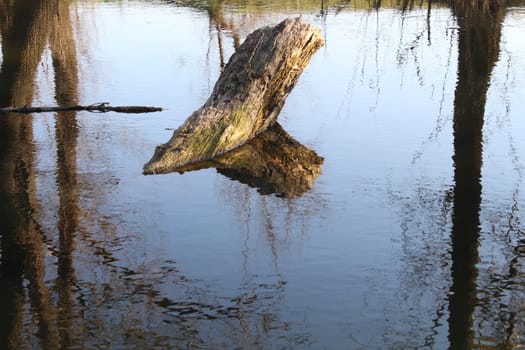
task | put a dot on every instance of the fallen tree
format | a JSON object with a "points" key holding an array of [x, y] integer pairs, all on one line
{"points": [[246, 99], [272, 162], [96, 107]]}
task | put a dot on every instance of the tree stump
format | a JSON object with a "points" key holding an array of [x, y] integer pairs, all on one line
{"points": [[246, 99]]}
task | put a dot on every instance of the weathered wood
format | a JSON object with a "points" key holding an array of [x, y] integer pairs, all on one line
{"points": [[272, 162], [97, 107], [246, 99]]}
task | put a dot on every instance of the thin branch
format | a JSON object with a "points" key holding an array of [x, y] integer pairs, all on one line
{"points": [[102, 107]]}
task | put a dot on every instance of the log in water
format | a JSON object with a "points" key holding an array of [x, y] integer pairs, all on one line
{"points": [[246, 99]]}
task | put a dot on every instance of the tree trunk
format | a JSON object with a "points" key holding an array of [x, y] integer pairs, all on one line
{"points": [[247, 98]]}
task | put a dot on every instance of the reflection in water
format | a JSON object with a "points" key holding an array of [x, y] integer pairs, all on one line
{"points": [[217, 20], [63, 51], [25, 26], [26, 30], [22, 248], [273, 162], [21, 254], [67, 315], [479, 37], [483, 306], [94, 283]]}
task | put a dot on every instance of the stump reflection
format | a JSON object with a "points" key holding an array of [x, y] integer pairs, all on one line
{"points": [[273, 162]]}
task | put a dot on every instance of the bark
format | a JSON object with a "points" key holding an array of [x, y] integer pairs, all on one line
{"points": [[246, 99]]}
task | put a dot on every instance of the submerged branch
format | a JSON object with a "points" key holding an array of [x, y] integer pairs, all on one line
{"points": [[102, 107]]}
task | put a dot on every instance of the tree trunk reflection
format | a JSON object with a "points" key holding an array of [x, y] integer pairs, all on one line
{"points": [[63, 52], [26, 28], [23, 40], [479, 37]]}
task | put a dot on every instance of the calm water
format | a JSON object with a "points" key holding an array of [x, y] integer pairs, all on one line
{"points": [[411, 237]]}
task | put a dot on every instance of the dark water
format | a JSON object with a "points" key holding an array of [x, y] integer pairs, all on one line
{"points": [[412, 235]]}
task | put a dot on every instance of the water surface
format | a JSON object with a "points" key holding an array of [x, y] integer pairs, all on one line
{"points": [[411, 236]]}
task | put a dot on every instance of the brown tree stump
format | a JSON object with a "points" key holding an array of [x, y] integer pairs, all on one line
{"points": [[246, 99]]}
